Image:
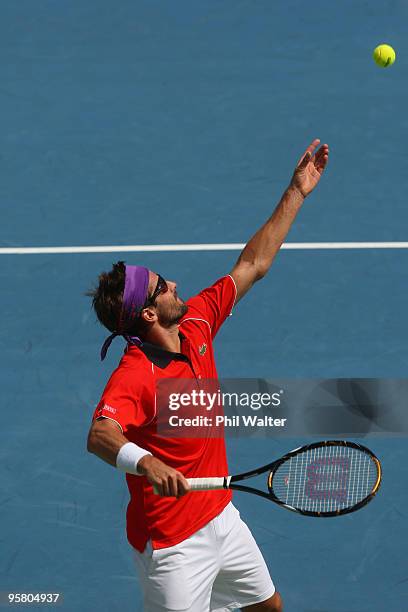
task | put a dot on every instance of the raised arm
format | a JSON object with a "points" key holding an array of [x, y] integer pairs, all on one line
{"points": [[259, 253]]}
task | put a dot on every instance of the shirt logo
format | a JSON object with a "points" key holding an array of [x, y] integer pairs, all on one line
{"points": [[202, 349], [108, 408]]}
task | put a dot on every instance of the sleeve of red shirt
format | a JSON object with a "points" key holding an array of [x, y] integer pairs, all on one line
{"points": [[124, 401], [214, 304]]}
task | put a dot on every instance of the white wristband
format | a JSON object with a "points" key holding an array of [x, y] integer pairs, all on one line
{"points": [[129, 456]]}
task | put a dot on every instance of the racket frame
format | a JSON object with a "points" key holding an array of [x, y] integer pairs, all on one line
{"points": [[274, 465]]}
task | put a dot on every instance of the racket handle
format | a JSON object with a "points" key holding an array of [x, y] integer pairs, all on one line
{"points": [[205, 484], [209, 484]]}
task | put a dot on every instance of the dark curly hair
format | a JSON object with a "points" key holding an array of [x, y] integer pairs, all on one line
{"points": [[107, 298]]}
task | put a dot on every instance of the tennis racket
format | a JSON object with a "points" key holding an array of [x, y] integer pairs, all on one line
{"points": [[322, 479]]}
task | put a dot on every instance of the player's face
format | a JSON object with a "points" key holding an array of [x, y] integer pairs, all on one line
{"points": [[170, 307]]}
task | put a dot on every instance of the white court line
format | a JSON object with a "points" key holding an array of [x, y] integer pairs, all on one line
{"points": [[160, 248]]}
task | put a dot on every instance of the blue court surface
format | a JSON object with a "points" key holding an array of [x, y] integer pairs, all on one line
{"points": [[155, 122]]}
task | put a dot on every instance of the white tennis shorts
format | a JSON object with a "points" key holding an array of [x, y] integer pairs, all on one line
{"points": [[218, 568]]}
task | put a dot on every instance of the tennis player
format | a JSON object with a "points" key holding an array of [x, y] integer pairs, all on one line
{"points": [[192, 550]]}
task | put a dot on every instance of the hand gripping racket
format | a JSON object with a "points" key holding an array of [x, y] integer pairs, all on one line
{"points": [[322, 479]]}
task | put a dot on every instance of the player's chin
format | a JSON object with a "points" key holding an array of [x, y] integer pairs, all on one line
{"points": [[183, 308], [181, 312], [178, 302], [173, 316]]}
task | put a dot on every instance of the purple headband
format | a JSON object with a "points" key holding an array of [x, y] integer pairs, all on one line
{"points": [[134, 298]]}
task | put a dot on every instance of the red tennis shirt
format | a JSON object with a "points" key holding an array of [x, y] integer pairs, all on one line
{"points": [[129, 399]]}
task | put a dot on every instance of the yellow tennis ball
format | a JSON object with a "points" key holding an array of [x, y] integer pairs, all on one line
{"points": [[384, 55]]}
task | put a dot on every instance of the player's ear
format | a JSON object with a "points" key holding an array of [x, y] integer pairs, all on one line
{"points": [[148, 315]]}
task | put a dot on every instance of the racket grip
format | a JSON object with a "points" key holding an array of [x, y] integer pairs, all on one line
{"points": [[209, 484], [205, 484]]}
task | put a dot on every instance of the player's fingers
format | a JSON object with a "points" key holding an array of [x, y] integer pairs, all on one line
{"points": [[183, 486], [323, 150], [313, 145], [158, 488], [165, 488], [322, 157], [308, 153], [172, 485], [305, 160], [322, 164]]}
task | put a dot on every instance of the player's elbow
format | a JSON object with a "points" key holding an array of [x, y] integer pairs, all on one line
{"points": [[247, 272], [261, 271], [91, 442], [258, 269]]}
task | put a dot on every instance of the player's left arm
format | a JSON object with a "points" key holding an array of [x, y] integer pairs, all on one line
{"points": [[259, 253]]}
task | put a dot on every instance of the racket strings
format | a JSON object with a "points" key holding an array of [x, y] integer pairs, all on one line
{"points": [[325, 479]]}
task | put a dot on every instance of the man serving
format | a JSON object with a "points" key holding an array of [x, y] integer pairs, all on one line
{"points": [[192, 550]]}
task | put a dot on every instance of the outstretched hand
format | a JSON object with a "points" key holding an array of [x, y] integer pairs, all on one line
{"points": [[310, 168]]}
